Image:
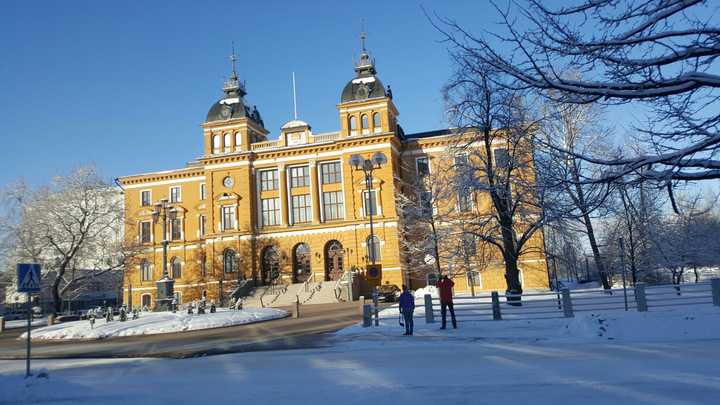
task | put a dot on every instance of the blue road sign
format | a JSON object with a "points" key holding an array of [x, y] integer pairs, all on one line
{"points": [[28, 277]]}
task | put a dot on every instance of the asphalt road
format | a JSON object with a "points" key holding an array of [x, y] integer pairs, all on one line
{"points": [[288, 333]]}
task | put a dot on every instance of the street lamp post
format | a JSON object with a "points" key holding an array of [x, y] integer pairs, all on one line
{"points": [[367, 166], [163, 210]]}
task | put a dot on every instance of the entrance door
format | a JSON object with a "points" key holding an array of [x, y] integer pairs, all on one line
{"points": [[301, 263], [334, 255], [270, 265]]}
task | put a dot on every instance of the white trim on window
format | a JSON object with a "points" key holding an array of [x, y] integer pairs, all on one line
{"points": [[150, 203], [179, 194], [417, 168], [376, 193]]}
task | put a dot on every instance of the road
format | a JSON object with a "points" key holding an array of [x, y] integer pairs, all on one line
{"points": [[308, 331]]}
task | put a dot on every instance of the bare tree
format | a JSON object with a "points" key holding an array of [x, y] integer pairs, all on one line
{"points": [[661, 54], [571, 130], [72, 227], [497, 160]]}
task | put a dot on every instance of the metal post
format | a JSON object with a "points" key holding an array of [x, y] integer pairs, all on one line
{"points": [[368, 186], [29, 323], [567, 303], [297, 306], [367, 315], [622, 263], [349, 286], [715, 283], [429, 315], [375, 303], [587, 269], [496, 306], [640, 297]]}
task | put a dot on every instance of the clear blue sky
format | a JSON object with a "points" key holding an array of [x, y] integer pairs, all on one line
{"points": [[125, 85]]}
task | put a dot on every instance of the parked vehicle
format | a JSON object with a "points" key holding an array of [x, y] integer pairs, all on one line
{"points": [[388, 293]]}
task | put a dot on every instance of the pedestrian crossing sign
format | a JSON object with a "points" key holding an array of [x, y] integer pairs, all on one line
{"points": [[28, 277]]}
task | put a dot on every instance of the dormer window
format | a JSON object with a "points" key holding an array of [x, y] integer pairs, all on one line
{"points": [[377, 126], [353, 125], [365, 124]]}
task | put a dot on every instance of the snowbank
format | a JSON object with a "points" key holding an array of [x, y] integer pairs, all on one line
{"points": [[420, 293], [660, 325], [151, 323]]}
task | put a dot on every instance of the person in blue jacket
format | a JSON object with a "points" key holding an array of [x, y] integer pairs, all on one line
{"points": [[407, 306]]}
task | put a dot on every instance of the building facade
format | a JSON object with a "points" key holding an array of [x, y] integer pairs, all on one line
{"points": [[287, 209]]}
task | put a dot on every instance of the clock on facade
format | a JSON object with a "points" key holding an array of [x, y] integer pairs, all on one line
{"points": [[228, 182]]}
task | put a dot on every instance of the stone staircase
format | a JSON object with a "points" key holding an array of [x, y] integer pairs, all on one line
{"points": [[312, 293]]}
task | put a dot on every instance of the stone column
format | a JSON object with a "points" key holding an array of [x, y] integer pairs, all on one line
{"points": [[314, 191], [284, 196]]}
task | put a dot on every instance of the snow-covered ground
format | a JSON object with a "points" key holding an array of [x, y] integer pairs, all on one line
{"points": [[667, 324], [22, 323], [665, 356], [153, 323], [402, 370]]}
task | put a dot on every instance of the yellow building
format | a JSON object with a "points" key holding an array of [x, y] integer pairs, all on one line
{"points": [[287, 209]]}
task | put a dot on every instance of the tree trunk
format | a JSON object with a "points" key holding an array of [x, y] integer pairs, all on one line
{"points": [[697, 275], [57, 300]]}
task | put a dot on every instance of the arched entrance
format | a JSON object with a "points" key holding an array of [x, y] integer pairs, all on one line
{"points": [[301, 263], [334, 255], [270, 265]]}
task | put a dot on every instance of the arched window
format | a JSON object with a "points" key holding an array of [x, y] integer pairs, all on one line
{"points": [[216, 143], [228, 143], [229, 261], [373, 249], [145, 271], [365, 124], [353, 125], [238, 141], [301, 262], [145, 300], [175, 268], [377, 126], [270, 265], [334, 255]]}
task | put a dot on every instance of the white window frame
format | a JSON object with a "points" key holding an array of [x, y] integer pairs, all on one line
{"points": [[216, 143], [142, 271], [140, 233], [179, 194], [307, 208], [182, 228], [260, 181], [379, 248], [328, 163], [227, 142], [417, 167], [352, 131], [277, 208], [238, 142], [341, 205], [233, 211], [291, 169], [202, 225], [365, 127], [378, 208], [149, 204], [377, 128]]}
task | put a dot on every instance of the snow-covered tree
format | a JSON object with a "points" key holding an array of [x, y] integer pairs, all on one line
{"points": [[659, 54], [73, 227]]}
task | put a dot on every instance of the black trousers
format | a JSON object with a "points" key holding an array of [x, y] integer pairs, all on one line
{"points": [[444, 306], [408, 318]]}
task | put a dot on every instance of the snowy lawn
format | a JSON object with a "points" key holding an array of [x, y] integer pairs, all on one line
{"points": [[151, 323], [22, 323], [666, 324]]}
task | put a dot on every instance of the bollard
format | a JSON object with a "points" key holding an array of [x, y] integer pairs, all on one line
{"points": [[361, 302], [429, 315], [367, 315], [496, 306], [376, 304], [715, 283], [567, 303], [640, 297], [2, 324], [297, 306]]}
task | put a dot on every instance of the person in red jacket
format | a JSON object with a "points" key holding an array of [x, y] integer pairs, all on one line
{"points": [[445, 286]]}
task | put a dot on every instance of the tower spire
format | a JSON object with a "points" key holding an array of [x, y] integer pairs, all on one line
{"points": [[366, 65], [232, 86]]}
